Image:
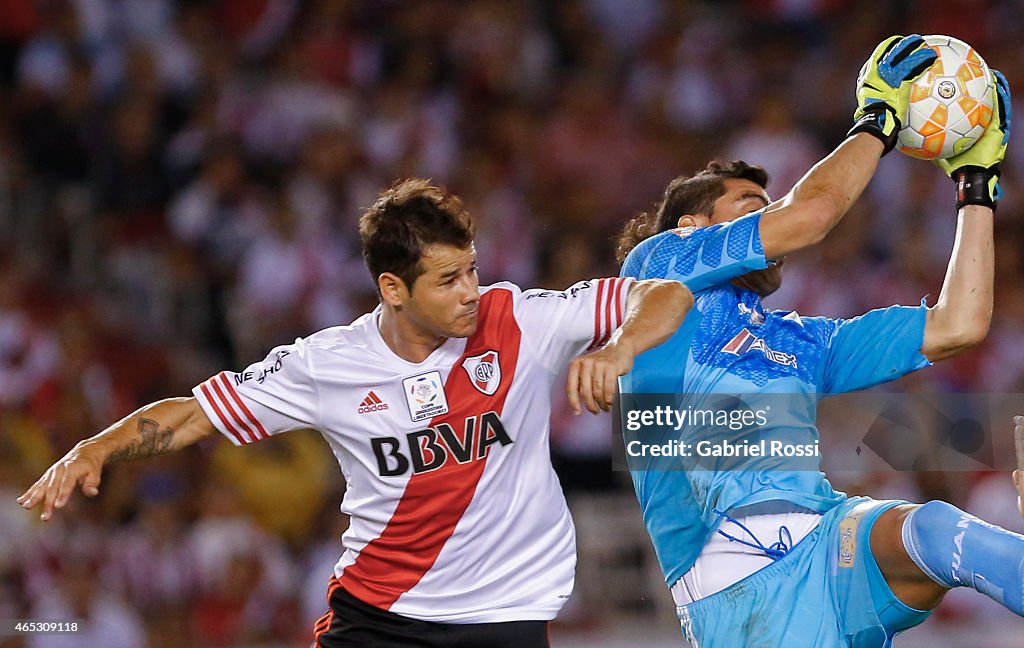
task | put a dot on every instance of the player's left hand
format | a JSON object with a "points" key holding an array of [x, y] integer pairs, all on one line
{"points": [[81, 467], [976, 171], [883, 86], [593, 378]]}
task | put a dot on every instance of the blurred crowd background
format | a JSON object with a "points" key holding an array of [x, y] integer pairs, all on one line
{"points": [[179, 189]]}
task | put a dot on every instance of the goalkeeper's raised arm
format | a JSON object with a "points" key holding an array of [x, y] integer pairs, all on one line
{"points": [[803, 217], [816, 204], [961, 317]]}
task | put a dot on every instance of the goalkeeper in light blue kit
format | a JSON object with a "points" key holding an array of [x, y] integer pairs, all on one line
{"points": [[769, 557]]}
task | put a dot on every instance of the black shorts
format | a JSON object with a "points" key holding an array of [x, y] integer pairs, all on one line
{"points": [[350, 623]]}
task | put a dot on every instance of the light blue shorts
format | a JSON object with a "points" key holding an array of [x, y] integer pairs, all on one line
{"points": [[827, 592]]}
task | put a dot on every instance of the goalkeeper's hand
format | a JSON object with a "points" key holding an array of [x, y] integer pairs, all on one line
{"points": [[883, 86], [976, 170]]}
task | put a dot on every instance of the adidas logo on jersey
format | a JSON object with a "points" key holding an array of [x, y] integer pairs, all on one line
{"points": [[372, 403]]}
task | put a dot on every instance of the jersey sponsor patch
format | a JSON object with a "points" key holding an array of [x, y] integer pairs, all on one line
{"points": [[432, 448], [484, 372], [372, 403], [425, 396], [746, 341]]}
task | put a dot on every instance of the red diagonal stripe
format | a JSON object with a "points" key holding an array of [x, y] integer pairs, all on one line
{"points": [[220, 414], [434, 502], [376, 399], [252, 419]]}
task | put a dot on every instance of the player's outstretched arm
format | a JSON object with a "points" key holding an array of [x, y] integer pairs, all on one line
{"points": [[654, 310], [820, 199], [157, 428], [961, 316]]}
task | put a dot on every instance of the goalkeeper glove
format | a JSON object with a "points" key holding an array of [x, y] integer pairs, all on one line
{"points": [[883, 86], [976, 170]]}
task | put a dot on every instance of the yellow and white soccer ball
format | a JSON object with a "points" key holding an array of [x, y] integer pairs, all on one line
{"points": [[950, 104]]}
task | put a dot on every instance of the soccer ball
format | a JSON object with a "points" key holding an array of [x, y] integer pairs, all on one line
{"points": [[950, 104]]}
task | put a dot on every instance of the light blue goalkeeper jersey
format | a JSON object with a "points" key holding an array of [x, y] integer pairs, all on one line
{"points": [[729, 344]]}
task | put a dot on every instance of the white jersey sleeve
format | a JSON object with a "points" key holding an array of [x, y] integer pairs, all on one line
{"points": [[276, 395], [562, 324]]}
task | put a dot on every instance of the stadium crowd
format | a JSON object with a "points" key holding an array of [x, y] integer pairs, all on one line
{"points": [[179, 189]]}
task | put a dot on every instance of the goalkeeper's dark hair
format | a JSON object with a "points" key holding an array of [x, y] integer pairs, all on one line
{"points": [[686, 195], [406, 218]]}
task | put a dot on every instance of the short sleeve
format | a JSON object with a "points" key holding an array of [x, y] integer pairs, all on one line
{"points": [[276, 395], [700, 257], [879, 346], [562, 324]]}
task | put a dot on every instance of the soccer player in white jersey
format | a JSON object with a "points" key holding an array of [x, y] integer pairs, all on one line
{"points": [[436, 406]]}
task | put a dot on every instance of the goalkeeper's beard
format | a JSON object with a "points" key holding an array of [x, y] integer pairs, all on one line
{"points": [[763, 282]]}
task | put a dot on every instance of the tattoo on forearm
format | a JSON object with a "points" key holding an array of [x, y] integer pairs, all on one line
{"points": [[152, 441]]}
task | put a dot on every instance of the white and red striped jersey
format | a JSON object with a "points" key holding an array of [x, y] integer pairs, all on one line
{"points": [[456, 513]]}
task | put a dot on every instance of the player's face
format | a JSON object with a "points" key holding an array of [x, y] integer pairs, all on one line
{"points": [[445, 299]]}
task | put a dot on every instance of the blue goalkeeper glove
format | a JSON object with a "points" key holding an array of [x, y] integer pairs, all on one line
{"points": [[976, 170], [883, 86]]}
